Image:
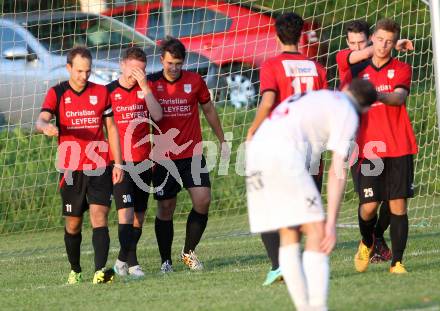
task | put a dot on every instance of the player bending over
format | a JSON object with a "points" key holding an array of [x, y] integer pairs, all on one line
{"points": [[283, 196]]}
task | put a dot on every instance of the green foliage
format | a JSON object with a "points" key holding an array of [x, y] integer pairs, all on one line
{"points": [[28, 182]]}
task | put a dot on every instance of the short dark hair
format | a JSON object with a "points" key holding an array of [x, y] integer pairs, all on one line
{"points": [[289, 27], [136, 53], [358, 26], [78, 50], [174, 47], [363, 91], [390, 26]]}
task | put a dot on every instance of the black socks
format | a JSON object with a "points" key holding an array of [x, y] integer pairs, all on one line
{"points": [[132, 255], [125, 234], [384, 220], [367, 228], [101, 245], [399, 236], [73, 249], [164, 235], [195, 226], [271, 241]]}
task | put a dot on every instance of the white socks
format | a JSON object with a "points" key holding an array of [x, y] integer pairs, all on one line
{"points": [[307, 281], [316, 269], [291, 268]]}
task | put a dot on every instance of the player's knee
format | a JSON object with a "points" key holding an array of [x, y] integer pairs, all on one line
{"points": [[125, 216], [99, 220], [202, 203], [165, 214], [165, 211], [289, 236], [138, 219], [398, 209], [315, 233], [368, 210], [73, 227]]}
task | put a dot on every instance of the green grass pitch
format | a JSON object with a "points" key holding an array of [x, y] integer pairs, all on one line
{"points": [[34, 269]]}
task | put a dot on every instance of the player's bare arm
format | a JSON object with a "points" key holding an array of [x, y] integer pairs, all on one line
{"points": [[115, 147], [154, 107], [44, 126], [337, 178], [361, 55], [214, 122], [404, 45], [266, 104], [396, 98]]}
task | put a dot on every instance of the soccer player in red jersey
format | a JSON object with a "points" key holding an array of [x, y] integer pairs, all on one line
{"points": [[82, 109], [132, 104], [178, 151], [358, 36], [387, 143], [289, 73]]}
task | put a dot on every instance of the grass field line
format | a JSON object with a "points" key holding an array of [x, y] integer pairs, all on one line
{"points": [[111, 250], [412, 254], [116, 249], [44, 287], [431, 308], [121, 280]]}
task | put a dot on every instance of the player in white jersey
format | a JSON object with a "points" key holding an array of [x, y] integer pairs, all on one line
{"points": [[282, 196]]}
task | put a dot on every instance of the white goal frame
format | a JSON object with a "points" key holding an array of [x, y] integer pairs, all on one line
{"points": [[434, 8]]}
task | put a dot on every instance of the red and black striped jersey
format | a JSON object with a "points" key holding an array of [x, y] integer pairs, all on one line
{"points": [[80, 120], [131, 115], [385, 131], [291, 73], [180, 101]]}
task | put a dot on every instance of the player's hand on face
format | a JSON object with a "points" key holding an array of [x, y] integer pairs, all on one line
{"points": [[329, 241], [117, 175], [404, 45], [140, 77], [50, 130]]}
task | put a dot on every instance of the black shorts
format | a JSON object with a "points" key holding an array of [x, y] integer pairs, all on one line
{"points": [[86, 190], [128, 194], [170, 176], [395, 181]]}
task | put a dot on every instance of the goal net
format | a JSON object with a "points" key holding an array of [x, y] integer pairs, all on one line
{"points": [[33, 45]]}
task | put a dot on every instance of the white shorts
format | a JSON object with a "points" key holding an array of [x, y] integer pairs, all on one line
{"points": [[280, 191]]}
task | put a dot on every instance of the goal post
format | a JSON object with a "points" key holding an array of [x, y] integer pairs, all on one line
{"points": [[29, 199], [434, 7]]}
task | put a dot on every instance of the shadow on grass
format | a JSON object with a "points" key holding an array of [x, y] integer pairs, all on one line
{"points": [[248, 260]]}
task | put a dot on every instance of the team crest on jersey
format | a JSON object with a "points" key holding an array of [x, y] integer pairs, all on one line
{"points": [[366, 76], [390, 73], [118, 96], [68, 100], [187, 88], [140, 94], [159, 88], [93, 99]]}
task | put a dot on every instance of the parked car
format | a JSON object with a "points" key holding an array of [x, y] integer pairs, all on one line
{"points": [[235, 37], [33, 50]]}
